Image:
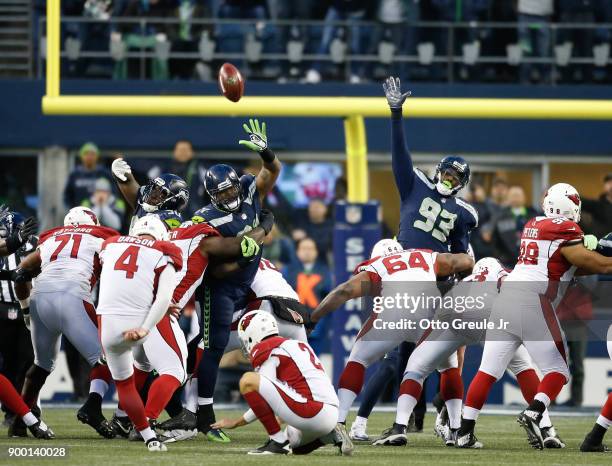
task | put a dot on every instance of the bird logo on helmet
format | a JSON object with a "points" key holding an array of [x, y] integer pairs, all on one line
{"points": [[254, 327], [81, 216], [386, 247], [562, 200], [166, 192], [223, 186], [150, 225], [452, 175]]}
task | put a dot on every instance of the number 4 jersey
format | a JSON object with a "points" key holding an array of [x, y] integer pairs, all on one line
{"points": [[130, 270], [69, 259]]}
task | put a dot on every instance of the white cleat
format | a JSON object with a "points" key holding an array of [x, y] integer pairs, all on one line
{"points": [[343, 440], [154, 445], [358, 432], [178, 435]]}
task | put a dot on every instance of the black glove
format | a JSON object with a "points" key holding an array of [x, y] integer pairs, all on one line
{"points": [[22, 235], [266, 220]]}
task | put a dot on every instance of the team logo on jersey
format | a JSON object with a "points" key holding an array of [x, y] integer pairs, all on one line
{"points": [[197, 219], [353, 214]]}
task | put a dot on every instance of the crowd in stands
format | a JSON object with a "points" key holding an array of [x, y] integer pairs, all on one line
{"points": [[550, 33]]}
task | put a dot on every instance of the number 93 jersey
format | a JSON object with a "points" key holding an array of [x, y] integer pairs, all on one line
{"points": [[431, 221], [130, 272]]}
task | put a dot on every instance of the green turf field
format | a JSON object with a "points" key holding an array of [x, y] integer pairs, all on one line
{"points": [[504, 443]]}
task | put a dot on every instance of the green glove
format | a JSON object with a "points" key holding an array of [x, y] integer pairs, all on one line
{"points": [[590, 242], [258, 141], [249, 247]]}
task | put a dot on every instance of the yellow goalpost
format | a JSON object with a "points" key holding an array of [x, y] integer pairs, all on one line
{"points": [[352, 109]]}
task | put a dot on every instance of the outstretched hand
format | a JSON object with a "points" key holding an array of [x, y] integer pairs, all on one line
{"points": [[258, 140], [393, 93]]}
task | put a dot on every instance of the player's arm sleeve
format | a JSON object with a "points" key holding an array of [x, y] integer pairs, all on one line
{"points": [[159, 307], [401, 160]]}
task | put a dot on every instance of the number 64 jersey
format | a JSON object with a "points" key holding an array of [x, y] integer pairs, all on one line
{"points": [[130, 272]]}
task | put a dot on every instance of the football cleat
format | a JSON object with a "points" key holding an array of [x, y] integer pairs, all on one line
{"points": [[551, 439], [186, 420], [450, 437], [590, 445], [343, 441], [467, 440], [154, 445], [272, 447], [17, 428], [394, 436], [217, 435], [92, 416], [441, 424], [121, 425], [40, 430], [358, 432], [415, 425], [530, 421]]}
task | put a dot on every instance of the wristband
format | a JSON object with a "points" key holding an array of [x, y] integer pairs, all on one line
{"points": [[249, 416], [267, 155]]}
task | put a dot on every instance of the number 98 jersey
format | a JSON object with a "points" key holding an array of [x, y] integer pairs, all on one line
{"points": [[431, 221], [130, 272]]}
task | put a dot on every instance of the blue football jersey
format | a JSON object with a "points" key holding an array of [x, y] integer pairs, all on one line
{"points": [[428, 220], [140, 212], [236, 223]]}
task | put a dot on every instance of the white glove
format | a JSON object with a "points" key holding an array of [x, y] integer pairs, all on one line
{"points": [[120, 169]]}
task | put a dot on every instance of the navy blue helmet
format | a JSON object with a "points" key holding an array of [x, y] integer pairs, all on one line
{"points": [[166, 192], [171, 218], [9, 222], [457, 168], [223, 186], [604, 246]]}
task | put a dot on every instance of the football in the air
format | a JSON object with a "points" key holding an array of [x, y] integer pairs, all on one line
{"points": [[231, 83]]}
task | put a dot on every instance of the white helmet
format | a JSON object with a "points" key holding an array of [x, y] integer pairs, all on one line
{"points": [[254, 326], [80, 216], [562, 200], [150, 225], [488, 265], [386, 247]]}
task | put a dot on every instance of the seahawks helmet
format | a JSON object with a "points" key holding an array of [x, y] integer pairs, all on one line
{"points": [[166, 192], [458, 168], [9, 222], [223, 186]]}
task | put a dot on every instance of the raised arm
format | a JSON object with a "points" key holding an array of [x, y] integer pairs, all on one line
{"points": [[355, 287], [126, 182], [258, 142], [400, 156], [448, 264]]}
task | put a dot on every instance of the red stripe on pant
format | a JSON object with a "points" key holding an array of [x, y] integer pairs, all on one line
{"points": [[352, 377], [411, 387], [11, 399], [131, 403], [479, 390], [91, 312], [263, 411], [553, 325], [606, 411], [165, 330], [451, 385], [306, 410], [528, 382]]}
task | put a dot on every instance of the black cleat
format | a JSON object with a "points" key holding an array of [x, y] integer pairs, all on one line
{"points": [[91, 414], [551, 439], [530, 421], [18, 428], [467, 440], [415, 425], [394, 436], [590, 445], [272, 448], [121, 425], [40, 430], [186, 420]]}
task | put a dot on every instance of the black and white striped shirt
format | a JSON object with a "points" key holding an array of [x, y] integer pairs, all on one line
{"points": [[9, 304]]}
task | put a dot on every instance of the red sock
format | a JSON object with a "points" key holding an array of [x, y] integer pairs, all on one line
{"points": [[606, 411], [101, 372], [131, 402], [198, 357], [451, 385], [352, 377], [552, 384], [264, 413], [479, 390], [140, 377], [11, 399], [528, 381], [411, 387], [160, 393]]}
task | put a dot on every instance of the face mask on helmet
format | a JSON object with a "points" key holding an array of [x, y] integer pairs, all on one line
{"points": [[448, 182], [153, 196], [228, 199]]}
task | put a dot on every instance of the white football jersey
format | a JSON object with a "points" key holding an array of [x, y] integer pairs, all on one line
{"points": [[297, 366], [187, 238], [411, 265], [269, 281], [130, 269], [69, 259], [540, 261]]}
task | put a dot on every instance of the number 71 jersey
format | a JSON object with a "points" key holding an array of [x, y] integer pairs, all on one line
{"points": [[130, 272]]}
